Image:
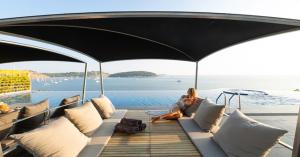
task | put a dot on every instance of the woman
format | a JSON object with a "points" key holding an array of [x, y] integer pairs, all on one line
{"points": [[184, 102]]}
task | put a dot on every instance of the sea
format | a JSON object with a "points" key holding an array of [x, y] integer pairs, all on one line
{"points": [[163, 91]]}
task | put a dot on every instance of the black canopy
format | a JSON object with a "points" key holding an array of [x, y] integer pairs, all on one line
{"points": [[16, 53], [148, 35]]}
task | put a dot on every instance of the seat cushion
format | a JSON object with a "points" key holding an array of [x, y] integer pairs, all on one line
{"points": [[59, 138], [104, 106], [243, 136], [85, 117], [209, 115], [201, 139], [101, 136]]}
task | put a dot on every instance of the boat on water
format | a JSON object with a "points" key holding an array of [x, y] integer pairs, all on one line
{"points": [[139, 35]]}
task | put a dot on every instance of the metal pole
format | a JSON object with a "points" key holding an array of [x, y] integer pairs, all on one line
{"points": [[240, 106], [296, 147], [196, 76], [84, 82], [101, 79]]}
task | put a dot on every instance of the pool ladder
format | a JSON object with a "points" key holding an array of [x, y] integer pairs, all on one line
{"points": [[232, 94]]}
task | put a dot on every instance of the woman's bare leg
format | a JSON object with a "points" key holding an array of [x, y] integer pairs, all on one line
{"points": [[168, 116], [174, 116]]}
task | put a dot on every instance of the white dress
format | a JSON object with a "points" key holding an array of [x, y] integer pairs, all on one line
{"points": [[178, 106]]}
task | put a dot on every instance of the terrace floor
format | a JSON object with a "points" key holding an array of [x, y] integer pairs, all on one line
{"points": [[167, 138], [163, 138]]}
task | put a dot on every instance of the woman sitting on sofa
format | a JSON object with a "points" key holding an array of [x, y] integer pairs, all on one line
{"points": [[186, 102]]}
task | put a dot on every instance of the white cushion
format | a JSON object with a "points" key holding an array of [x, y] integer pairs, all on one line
{"points": [[86, 118], [209, 115], [243, 136], [59, 138]]}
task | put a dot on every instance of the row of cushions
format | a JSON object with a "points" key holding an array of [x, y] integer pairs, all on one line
{"points": [[89, 116], [37, 115], [239, 135], [64, 139]]}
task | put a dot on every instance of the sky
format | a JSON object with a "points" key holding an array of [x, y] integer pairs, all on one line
{"points": [[276, 55]]}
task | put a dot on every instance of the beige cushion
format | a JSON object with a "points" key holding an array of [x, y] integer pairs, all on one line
{"points": [[70, 100], [85, 117], [34, 109], [1, 152], [104, 106], [243, 136], [59, 138], [6, 121], [209, 115]]}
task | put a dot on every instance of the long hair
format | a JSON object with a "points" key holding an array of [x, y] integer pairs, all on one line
{"points": [[192, 92]]}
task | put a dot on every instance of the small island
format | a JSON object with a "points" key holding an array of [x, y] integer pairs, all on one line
{"points": [[134, 74]]}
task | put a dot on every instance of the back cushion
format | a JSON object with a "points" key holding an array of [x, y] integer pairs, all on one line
{"points": [[209, 115], [243, 136], [60, 138], [6, 123], [104, 106], [36, 111], [70, 102], [86, 118]]}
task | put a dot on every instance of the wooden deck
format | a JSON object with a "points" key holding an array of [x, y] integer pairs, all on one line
{"points": [[164, 138]]}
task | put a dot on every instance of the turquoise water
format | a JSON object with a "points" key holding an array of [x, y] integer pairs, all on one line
{"points": [[161, 92]]}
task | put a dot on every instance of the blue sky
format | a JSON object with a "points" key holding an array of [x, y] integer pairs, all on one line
{"points": [[271, 56]]}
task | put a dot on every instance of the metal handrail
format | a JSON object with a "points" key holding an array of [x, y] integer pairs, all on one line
{"points": [[225, 98], [285, 145]]}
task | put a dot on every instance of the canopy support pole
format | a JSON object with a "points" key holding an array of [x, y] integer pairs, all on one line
{"points": [[296, 147], [101, 79], [196, 76], [84, 82]]}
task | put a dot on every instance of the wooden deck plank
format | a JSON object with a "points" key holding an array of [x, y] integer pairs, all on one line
{"points": [[164, 138]]}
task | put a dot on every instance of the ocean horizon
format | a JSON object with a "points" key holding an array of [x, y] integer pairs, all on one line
{"points": [[163, 91]]}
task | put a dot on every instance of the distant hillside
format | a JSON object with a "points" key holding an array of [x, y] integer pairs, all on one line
{"points": [[134, 74], [35, 75], [92, 74]]}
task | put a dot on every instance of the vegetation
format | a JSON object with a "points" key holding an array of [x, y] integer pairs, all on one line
{"points": [[134, 74], [14, 81], [92, 74]]}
